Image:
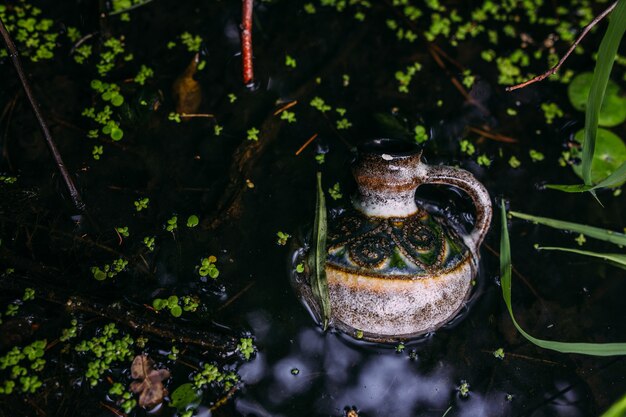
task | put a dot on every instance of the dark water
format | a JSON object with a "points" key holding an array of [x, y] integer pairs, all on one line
{"points": [[184, 169]]}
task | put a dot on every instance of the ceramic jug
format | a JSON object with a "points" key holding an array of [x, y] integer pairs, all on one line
{"points": [[395, 270]]}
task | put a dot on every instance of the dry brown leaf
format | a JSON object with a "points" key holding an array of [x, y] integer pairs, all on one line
{"points": [[150, 381], [186, 90]]}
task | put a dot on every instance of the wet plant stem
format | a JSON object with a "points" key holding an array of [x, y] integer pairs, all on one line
{"points": [[571, 49], [493, 136], [67, 178], [246, 41]]}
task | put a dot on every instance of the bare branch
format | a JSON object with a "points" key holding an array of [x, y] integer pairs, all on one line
{"points": [[554, 69]]}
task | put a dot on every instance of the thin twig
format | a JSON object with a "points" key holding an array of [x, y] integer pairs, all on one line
{"points": [[246, 41], [494, 136], [554, 69], [82, 40], [285, 107], [191, 115], [69, 183], [236, 296], [307, 143]]}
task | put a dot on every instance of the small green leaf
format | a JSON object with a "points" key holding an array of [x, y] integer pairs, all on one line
{"points": [[176, 311], [159, 303], [172, 301], [186, 397], [192, 221]]}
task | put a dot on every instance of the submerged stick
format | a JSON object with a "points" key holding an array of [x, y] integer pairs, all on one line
{"points": [[571, 49], [69, 183], [246, 41]]}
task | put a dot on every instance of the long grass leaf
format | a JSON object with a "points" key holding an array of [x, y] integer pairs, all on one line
{"points": [[617, 178], [317, 257], [595, 349], [604, 64], [616, 258], [618, 409], [594, 232]]}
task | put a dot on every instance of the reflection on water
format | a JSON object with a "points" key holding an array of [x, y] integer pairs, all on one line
{"points": [[323, 373]]}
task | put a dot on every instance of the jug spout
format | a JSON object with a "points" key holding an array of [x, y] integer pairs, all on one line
{"points": [[387, 173]]}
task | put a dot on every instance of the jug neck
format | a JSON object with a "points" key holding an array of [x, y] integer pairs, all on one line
{"points": [[387, 173]]}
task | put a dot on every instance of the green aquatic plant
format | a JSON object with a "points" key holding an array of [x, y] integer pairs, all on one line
{"points": [[105, 349], [595, 349], [208, 268], [317, 256], [20, 362], [109, 270], [498, 353], [34, 34], [289, 116], [282, 238], [123, 231], [253, 134], [420, 134], [290, 61], [335, 191], [604, 64], [171, 303], [148, 241], [193, 221], [171, 224], [319, 104], [246, 347], [192, 42]]}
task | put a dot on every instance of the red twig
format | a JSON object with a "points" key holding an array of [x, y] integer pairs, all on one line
{"points": [[246, 41], [554, 69], [69, 183]]}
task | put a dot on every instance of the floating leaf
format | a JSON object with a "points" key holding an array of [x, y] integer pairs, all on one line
{"points": [[613, 109], [192, 221], [590, 231], [186, 90], [609, 155], [618, 259], [317, 256], [150, 381], [604, 64], [186, 397], [595, 349]]}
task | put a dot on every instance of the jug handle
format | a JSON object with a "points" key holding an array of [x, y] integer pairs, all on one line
{"points": [[460, 178]]}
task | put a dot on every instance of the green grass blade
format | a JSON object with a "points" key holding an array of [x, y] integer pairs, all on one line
{"points": [[614, 180], [604, 64], [595, 349], [317, 257], [575, 188], [618, 409], [590, 231], [619, 259]]}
